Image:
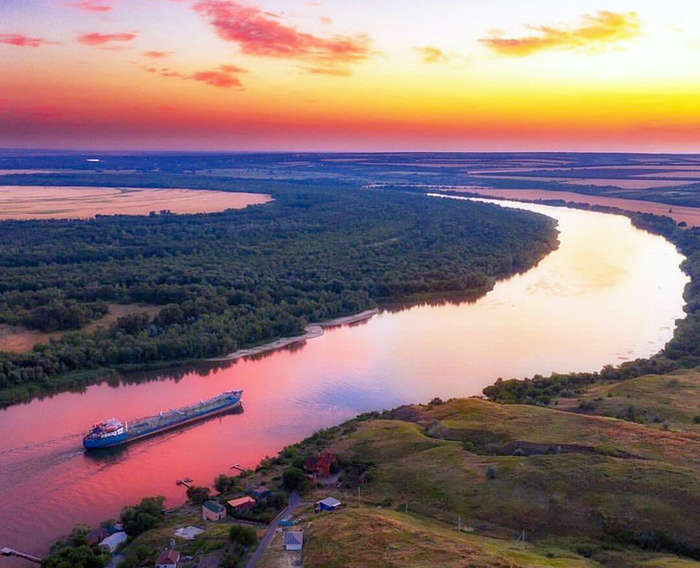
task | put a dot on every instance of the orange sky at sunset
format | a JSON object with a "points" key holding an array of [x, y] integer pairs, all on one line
{"points": [[327, 75]]}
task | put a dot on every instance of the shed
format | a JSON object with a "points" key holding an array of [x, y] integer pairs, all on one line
{"points": [[213, 511], [168, 559], [293, 540], [328, 504], [113, 540], [242, 504]]}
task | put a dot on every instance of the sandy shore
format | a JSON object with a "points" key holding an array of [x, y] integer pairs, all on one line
{"points": [[312, 330]]}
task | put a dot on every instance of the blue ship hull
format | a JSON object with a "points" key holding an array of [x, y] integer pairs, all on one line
{"points": [[94, 443]]}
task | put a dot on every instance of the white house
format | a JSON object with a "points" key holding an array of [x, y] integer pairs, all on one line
{"points": [[112, 541], [293, 540]]}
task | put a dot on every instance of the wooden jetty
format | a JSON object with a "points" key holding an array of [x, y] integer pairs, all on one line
{"points": [[187, 482], [11, 552]]}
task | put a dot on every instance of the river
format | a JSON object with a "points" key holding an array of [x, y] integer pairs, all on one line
{"points": [[609, 293]]}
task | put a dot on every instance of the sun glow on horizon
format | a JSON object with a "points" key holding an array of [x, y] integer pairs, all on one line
{"points": [[265, 75]]}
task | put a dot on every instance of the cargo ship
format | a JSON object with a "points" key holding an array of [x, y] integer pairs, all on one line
{"points": [[114, 432]]}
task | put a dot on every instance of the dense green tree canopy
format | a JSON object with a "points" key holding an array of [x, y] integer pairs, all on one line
{"points": [[243, 277]]}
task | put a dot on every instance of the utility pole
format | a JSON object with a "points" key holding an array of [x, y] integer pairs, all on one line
{"points": [[459, 524]]}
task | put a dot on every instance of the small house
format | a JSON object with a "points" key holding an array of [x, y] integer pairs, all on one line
{"points": [[261, 492], [242, 504], [328, 504], [293, 540], [319, 465], [168, 559], [113, 541], [213, 511]]}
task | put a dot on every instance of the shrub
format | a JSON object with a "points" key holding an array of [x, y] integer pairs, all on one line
{"points": [[142, 517], [245, 536], [198, 495]]}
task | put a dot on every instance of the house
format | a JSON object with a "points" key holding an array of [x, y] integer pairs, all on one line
{"points": [[319, 465], [327, 504], [293, 540], [168, 559], [242, 504], [261, 492], [113, 541], [96, 535], [213, 511]]}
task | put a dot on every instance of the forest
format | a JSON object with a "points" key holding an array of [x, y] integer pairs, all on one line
{"points": [[242, 277]]}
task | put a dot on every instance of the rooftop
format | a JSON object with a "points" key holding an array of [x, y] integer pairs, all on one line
{"points": [[213, 506], [238, 501], [293, 537], [169, 556], [329, 502]]}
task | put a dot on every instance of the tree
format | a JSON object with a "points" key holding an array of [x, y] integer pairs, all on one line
{"points": [[224, 483], [197, 494], [244, 536], [144, 516], [75, 552], [293, 479]]}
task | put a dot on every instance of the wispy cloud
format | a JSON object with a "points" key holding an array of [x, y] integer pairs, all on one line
{"points": [[153, 54], [431, 54], [261, 33], [595, 30], [20, 40], [224, 76], [96, 38], [93, 5]]}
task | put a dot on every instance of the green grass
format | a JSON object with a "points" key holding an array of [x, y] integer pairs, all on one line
{"points": [[662, 401], [361, 537]]}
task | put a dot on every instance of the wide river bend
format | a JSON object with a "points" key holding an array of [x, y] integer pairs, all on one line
{"points": [[609, 293]]}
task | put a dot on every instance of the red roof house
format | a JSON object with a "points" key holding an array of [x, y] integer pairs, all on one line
{"points": [[320, 465]]}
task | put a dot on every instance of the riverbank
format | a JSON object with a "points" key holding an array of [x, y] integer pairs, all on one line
{"points": [[547, 487], [312, 330]]}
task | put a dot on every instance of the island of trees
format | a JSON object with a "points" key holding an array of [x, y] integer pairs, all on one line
{"points": [[241, 277]]}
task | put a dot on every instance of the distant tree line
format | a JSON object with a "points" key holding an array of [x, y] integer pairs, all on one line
{"points": [[682, 351], [242, 277]]}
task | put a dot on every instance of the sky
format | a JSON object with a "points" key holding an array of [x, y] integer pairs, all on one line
{"points": [[334, 75]]}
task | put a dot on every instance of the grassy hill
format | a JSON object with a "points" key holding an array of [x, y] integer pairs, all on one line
{"points": [[597, 490], [664, 401]]}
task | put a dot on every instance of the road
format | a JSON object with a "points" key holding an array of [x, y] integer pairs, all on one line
{"points": [[292, 504]]}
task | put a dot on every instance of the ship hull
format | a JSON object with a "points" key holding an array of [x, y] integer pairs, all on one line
{"points": [[127, 437]]}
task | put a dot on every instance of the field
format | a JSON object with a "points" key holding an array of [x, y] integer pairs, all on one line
{"points": [[19, 339], [37, 202]]}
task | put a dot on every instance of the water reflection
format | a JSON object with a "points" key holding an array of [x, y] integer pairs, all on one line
{"points": [[610, 292]]}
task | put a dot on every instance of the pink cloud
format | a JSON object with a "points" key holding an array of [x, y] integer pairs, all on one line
{"points": [[96, 38], [224, 76], [20, 40], [93, 5], [157, 54], [260, 33], [216, 78]]}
